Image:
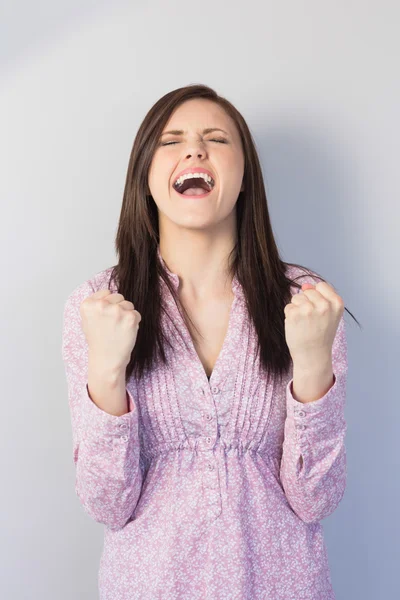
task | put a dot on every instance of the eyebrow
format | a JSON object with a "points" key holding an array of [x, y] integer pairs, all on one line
{"points": [[205, 131]]}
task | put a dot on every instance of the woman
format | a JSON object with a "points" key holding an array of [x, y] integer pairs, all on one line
{"points": [[206, 385]]}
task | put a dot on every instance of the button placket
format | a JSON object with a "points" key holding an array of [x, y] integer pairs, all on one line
{"points": [[211, 485], [212, 494], [300, 413], [207, 415], [123, 428]]}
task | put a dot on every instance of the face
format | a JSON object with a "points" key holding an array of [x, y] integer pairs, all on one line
{"points": [[219, 152]]}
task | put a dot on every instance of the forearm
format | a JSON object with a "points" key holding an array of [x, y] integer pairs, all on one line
{"points": [[108, 473], [313, 465], [107, 389], [313, 382]]}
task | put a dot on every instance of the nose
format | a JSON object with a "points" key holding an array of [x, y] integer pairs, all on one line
{"points": [[199, 154], [195, 148]]}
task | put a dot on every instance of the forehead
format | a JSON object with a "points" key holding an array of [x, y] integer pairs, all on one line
{"points": [[200, 114]]}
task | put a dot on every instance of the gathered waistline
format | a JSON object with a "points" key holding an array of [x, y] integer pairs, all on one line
{"points": [[197, 446]]}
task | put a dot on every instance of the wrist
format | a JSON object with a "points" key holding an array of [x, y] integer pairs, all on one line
{"points": [[107, 389], [112, 376], [312, 383], [313, 364]]}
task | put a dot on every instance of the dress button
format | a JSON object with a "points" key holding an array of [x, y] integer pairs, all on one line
{"points": [[124, 438], [210, 466], [208, 440], [301, 413], [215, 390], [301, 426], [209, 417], [123, 426]]}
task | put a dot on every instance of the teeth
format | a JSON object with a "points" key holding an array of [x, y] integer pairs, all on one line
{"points": [[206, 177]]}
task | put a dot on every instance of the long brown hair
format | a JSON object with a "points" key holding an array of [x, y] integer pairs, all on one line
{"points": [[254, 259]]}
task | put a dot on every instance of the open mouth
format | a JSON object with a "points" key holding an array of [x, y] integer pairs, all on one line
{"points": [[194, 187]]}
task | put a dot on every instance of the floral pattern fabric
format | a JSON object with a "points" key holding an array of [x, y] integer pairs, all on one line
{"points": [[208, 489]]}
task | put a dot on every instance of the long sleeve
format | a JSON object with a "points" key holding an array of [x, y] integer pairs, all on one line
{"points": [[313, 466], [106, 447]]}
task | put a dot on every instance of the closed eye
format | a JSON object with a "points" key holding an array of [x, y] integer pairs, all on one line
{"points": [[220, 141]]}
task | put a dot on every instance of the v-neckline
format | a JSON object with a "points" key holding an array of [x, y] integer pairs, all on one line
{"points": [[222, 352], [237, 293]]}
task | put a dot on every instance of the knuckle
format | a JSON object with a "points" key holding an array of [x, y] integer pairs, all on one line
{"points": [[102, 305], [339, 303], [323, 307], [85, 306], [129, 319], [288, 308]]}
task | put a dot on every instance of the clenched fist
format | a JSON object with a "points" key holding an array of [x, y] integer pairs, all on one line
{"points": [[110, 324], [311, 322]]}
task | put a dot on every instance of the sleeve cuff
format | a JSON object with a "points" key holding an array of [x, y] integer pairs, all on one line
{"points": [[314, 405], [99, 424], [326, 410]]}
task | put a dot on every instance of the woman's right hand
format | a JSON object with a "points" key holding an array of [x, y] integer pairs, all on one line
{"points": [[110, 324]]}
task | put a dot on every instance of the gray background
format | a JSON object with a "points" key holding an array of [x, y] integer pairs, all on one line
{"points": [[318, 83]]}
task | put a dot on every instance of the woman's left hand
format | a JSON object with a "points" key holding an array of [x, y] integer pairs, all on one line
{"points": [[311, 321]]}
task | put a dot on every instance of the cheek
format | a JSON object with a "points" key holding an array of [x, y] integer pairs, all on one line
{"points": [[233, 165], [161, 171]]}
